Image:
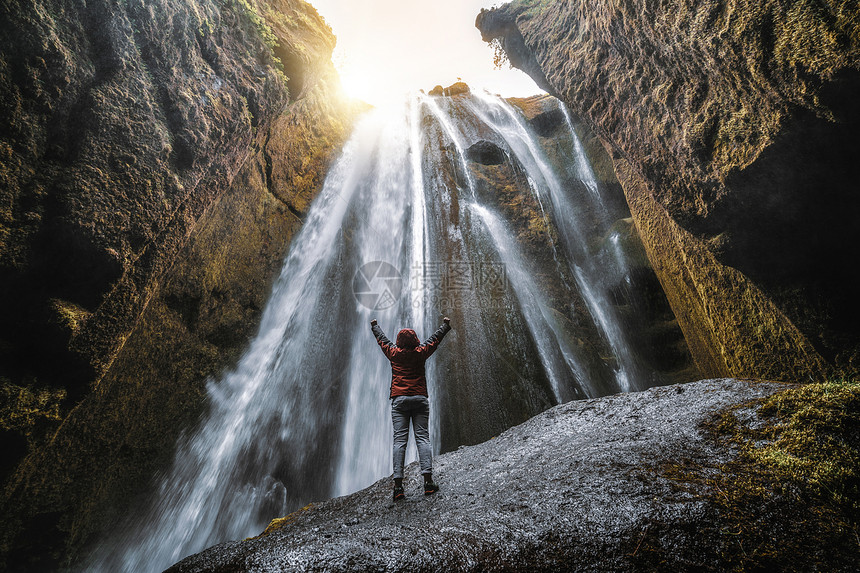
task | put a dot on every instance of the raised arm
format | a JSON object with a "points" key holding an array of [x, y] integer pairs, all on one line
{"points": [[386, 345], [432, 343]]}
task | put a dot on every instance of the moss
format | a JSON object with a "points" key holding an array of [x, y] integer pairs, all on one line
{"points": [[266, 34], [69, 315], [790, 498], [281, 522], [504, 186], [22, 408], [531, 8], [810, 439], [27, 415]]}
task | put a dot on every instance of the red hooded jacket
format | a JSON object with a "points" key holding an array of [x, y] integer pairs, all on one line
{"points": [[407, 359]]}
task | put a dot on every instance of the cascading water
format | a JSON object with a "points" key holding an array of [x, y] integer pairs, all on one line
{"points": [[402, 233], [591, 273], [542, 325]]}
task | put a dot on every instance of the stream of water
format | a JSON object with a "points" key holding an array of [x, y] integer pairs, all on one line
{"points": [[402, 233]]}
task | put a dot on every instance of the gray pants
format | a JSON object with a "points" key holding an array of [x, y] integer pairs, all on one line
{"points": [[417, 409]]}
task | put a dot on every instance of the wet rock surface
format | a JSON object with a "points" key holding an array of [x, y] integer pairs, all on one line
{"points": [[499, 176], [578, 486], [486, 153]]}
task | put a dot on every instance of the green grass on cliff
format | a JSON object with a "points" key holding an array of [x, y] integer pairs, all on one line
{"points": [[811, 440], [790, 500], [531, 7], [266, 33]]}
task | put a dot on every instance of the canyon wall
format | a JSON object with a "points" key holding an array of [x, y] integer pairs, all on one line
{"points": [[156, 159], [731, 127]]}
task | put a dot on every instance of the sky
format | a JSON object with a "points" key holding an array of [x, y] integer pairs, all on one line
{"points": [[388, 47]]}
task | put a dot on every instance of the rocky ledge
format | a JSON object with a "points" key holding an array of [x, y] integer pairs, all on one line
{"points": [[591, 484]]}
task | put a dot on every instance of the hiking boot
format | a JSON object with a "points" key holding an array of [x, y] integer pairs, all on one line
{"points": [[430, 488], [398, 493]]}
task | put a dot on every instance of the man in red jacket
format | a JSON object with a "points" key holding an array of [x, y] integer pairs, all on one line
{"points": [[409, 401]]}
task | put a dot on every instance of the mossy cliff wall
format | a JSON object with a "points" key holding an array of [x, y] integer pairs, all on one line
{"points": [[156, 159], [732, 129], [640, 302]]}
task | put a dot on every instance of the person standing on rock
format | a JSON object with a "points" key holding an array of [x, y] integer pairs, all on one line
{"points": [[409, 401]]}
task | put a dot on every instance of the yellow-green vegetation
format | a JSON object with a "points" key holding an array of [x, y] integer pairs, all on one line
{"points": [[532, 7], [533, 226], [809, 442], [69, 315], [508, 188], [265, 32], [22, 408], [500, 57], [790, 500], [298, 157], [280, 522]]}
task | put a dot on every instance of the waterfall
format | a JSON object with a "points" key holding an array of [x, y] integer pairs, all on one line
{"points": [[542, 325], [591, 272], [403, 231]]}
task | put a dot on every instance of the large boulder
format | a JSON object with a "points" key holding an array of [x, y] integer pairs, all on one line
{"points": [[457, 88], [594, 485]]}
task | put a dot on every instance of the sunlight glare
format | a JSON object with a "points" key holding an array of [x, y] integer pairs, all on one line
{"points": [[386, 48]]}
